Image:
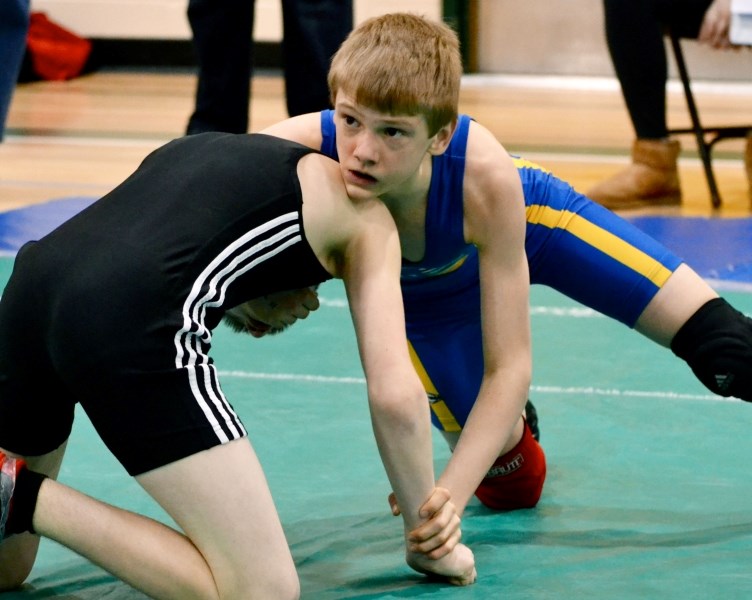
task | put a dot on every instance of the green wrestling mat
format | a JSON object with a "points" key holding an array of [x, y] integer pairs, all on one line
{"points": [[648, 490]]}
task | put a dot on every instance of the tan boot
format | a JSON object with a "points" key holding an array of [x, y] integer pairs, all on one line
{"points": [[748, 165], [651, 180]]}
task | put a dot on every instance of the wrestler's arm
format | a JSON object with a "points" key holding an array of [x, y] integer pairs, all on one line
{"points": [[399, 410], [362, 248], [495, 222], [303, 129]]}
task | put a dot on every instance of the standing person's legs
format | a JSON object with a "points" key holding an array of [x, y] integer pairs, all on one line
{"points": [[223, 42], [14, 24], [313, 31], [635, 32]]}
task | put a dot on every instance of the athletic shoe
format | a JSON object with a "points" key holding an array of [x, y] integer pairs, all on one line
{"points": [[9, 468], [531, 416]]}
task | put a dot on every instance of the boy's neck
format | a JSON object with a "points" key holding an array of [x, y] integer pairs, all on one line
{"points": [[408, 207], [411, 196]]}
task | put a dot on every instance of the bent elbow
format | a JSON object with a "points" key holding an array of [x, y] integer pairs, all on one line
{"points": [[398, 405]]}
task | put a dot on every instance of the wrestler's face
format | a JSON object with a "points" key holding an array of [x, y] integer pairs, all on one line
{"points": [[274, 313], [382, 154], [239, 319]]}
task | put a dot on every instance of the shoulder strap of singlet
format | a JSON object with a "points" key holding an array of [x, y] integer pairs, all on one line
{"points": [[328, 135], [445, 196]]}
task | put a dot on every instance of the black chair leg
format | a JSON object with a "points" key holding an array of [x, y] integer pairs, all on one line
{"points": [[703, 146]]}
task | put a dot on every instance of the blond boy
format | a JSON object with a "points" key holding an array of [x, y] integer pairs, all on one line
{"points": [[476, 227]]}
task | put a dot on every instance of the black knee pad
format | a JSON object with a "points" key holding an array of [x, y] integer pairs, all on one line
{"points": [[716, 342]]}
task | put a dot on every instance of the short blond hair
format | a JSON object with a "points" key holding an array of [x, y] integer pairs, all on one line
{"points": [[401, 63]]}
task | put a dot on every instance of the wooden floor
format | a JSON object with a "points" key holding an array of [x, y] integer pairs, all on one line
{"points": [[82, 137]]}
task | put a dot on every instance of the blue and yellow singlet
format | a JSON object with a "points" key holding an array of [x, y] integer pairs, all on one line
{"points": [[572, 244]]}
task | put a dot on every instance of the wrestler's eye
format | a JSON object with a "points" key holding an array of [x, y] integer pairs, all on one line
{"points": [[350, 121]]}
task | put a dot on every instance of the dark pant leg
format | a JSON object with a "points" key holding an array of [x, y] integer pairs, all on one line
{"points": [[635, 32], [223, 42], [313, 31], [14, 24]]}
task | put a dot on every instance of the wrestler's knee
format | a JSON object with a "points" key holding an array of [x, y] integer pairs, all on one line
{"points": [[17, 556], [516, 478], [716, 342]]}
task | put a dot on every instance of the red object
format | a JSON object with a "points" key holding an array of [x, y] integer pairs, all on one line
{"points": [[56, 53], [516, 478]]}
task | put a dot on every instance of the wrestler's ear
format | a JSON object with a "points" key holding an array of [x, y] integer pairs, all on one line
{"points": [[440, 140]]}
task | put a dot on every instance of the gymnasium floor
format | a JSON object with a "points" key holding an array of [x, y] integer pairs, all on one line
{"points": [[648, 490]]}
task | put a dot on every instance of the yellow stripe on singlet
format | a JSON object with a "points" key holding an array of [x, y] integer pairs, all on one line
{"points": [[523, 162], [599, 238], [438, 406]]}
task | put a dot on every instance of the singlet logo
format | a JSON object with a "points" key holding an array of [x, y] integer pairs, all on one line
{"points": [[418, 272]]}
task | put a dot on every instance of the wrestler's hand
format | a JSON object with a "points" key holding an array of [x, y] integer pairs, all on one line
{"points": [[433, 546], [276, 312], [457, 567], [439, 532]]}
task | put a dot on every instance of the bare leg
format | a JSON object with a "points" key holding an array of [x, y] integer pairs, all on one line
{"points": [[17, 554], [680, 297], [233, 546]]}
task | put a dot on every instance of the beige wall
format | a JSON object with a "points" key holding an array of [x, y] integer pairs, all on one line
{"points": [[565, 37], [166, 19], [559, 37]]}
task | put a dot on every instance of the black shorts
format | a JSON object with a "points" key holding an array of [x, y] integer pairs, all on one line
{"points": [[147, 410]]}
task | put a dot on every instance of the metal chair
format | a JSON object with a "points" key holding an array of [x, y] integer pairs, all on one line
{"points": [[706, 136]]}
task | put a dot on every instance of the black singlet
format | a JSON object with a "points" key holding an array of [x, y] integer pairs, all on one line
{"points": [[115, 308]]}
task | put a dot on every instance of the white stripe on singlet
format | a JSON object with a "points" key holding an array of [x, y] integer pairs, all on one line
{"points": [[209, 290]]}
